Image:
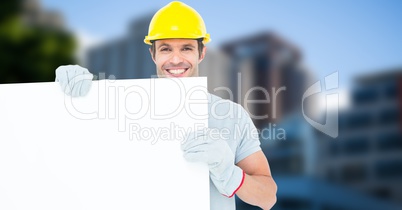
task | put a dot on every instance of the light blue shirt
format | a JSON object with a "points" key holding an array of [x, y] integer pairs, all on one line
{"points": [[237, 128]]}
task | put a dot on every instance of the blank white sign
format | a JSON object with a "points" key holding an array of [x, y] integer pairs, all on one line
{"points": [[116, 148]]}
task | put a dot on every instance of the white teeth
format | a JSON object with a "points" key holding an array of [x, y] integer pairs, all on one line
{"points": [[176, 71]]}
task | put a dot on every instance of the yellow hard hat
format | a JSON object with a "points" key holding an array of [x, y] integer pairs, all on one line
{"points": [[177, 20]]}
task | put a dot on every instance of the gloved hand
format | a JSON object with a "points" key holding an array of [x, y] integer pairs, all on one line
{"points": [[74, 80], [202, 146]]}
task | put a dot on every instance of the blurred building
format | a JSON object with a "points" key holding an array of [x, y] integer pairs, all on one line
{"points": [[297, 164], [34, 15], [267, 71], [367, 155], [361, 169], [215, 67], [125, 58]]}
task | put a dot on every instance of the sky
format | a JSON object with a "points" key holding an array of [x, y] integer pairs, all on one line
{"points": [[352, 37]]}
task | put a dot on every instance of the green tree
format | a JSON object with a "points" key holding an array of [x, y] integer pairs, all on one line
{"points": [[30, 53]]}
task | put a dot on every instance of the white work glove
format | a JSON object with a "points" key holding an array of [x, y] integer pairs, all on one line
{"points": [[201, 146], [74, 80]]}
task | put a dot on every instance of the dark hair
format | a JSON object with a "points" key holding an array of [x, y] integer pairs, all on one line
{"points": [[199, 42]]}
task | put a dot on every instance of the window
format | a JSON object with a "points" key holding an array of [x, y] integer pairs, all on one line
{"points": [[334, 207], [391, 89], [389, 116], [365, 95], [390, 141], [331, 175], [291, 165], [389, 169], [354, 172], [334, 149], [356, 145], [381, 192], [294, 203], [343, 121], [359, 120]]}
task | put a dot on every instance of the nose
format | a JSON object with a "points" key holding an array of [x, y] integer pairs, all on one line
{"points": [[176, 58]]}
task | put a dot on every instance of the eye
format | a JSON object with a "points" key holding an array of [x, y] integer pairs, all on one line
{"points": [[187, 49], [164, 49]]}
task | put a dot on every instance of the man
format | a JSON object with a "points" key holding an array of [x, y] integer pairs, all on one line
{"points": [[237, 165]]}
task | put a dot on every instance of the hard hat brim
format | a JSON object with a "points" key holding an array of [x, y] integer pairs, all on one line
{"points": [[149, 39]]}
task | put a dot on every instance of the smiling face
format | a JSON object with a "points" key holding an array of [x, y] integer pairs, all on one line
{"points": [[177, 57]]}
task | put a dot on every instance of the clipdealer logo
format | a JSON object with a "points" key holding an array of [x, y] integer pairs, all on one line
{"points": [[113, 104], [330, 127]]}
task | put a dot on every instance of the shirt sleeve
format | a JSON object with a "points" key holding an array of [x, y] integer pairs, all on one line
{"points": [[247, 135]]}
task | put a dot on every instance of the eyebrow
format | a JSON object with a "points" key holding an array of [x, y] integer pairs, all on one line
{"points": [[189, 45], [164, 45], [168, 45]]}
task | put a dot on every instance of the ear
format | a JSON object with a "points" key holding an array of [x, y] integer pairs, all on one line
{"points": [[204, 51], [152, 55]]}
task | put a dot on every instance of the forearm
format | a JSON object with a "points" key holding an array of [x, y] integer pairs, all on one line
{"points": [[258, 190]]}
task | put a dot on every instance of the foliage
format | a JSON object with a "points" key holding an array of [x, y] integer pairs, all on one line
{"points": [[31, 53]]}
